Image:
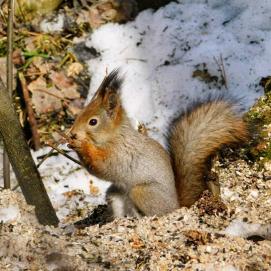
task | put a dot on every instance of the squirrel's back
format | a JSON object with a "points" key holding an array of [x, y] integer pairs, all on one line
{"points": [[194, 139]]}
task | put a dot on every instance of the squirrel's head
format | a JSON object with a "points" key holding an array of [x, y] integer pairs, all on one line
{"points": [[101, 118]]}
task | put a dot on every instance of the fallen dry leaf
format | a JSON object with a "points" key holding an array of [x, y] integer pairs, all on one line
{"points": [[111, 11], [94, 190], [83, 17], [198, 237], [17, 57], [45, 99], [72, 193], [66, 84], [43, 66], [136, 242], [75, 106], [29, 44], [74, 69]]}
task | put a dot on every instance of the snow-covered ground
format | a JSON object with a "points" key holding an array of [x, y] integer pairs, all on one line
{"points": [[158, 53]]}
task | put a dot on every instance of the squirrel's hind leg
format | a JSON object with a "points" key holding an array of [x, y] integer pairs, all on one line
{"points": [[119, 204], [153, 198]]}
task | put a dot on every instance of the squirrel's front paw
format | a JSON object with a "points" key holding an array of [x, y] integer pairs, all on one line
{"points": [[74, 144]]}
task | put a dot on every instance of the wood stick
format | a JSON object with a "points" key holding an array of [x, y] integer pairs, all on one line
{"points": [[22, 162], [63, 153], [49, 93], [45, 157], [6, 166], [38, 165], [223, 71], [6, 170], [65, 136], [30, 112]]}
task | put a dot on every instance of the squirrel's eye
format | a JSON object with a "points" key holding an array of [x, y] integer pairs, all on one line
{"points": [[93, 122]]}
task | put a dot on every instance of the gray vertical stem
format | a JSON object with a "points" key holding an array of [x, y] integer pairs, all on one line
{"points": [[22, 162], [6, 167], [6, 170]]}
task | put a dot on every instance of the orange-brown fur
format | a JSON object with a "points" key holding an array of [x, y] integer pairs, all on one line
{"points": [[195, 138], [93, 156]]}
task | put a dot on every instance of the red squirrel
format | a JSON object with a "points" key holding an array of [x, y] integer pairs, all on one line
{"points": [[146, 178]]}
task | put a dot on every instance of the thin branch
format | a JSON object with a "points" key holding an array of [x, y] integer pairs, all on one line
{"points": [[136, 59], [45, 157], [221, 69], [54, 148], [30, 112], [38, 165], [21, 10], [63, 153], [22, 162], [51, 94], [6, 166], [65, 101], [65, 136], [6, 170], [10, 47]]}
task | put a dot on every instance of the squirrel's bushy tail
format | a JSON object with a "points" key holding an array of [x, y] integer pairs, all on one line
{"points": [[195, 137]]}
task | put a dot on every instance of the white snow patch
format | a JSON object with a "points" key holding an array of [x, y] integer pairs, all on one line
{"points": [[243, 229], [9, 214], [159, 51], [253, 194], [228, 194], [61, 175]]}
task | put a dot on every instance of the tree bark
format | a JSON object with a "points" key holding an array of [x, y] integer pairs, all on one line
{"points": [[22, 162]]}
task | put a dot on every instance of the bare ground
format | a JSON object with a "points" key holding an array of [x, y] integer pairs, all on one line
{"points": [[199, 238]]}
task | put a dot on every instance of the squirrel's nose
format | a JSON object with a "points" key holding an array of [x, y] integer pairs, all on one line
{"points": [[73, 136]]}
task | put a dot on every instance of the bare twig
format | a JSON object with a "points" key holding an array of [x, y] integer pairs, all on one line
{"points": [[22, 162], [223, 71], [54, 148], [65, 101], [45, 157], [221, 68], [30, 112], [52, 94], [136, 59], [38, 165], [63, 153], [15, 187], [34, 74], [21, 10], [64, 135], [6, 170], [3, 17], [10, 46], [6, 166]]}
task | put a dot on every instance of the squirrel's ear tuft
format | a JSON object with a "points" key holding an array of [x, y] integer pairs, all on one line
{"points": [[109, 92], [112, 83]]}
